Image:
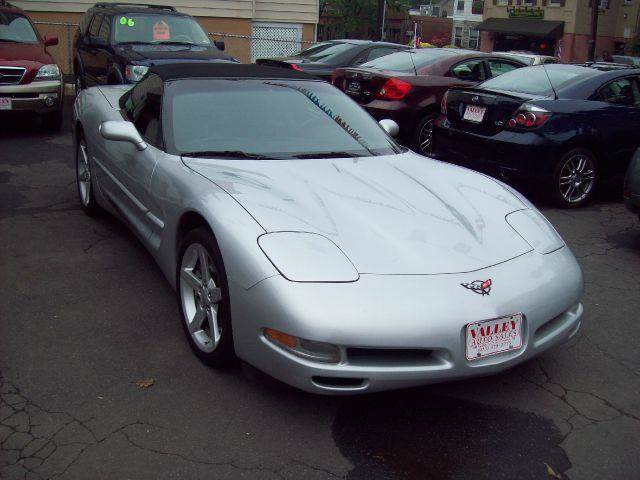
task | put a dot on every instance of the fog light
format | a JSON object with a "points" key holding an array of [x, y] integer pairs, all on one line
{"points": [[307, 349], [48, 101]]}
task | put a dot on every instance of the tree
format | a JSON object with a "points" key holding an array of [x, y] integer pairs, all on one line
{"points": [[357, 18]]}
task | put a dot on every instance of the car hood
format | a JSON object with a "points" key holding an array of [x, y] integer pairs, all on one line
{"points": [[159, 54], [31, 53], [400, 214]]}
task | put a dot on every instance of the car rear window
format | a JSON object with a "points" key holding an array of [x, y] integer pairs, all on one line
{"points": [[537, 81], [409, 62], [324, 52]]}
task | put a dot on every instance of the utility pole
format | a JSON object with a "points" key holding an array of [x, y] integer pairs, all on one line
{"points": [[595, 5], [382, 10]]}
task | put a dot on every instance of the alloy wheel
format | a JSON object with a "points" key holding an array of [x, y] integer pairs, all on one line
{"points": [[200, 297], [577, 178], [425, 137], [83, 174]]}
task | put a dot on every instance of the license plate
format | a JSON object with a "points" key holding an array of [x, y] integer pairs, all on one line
{"points": [[353, 87], [491, 337], [474, 114], [5, 103]]}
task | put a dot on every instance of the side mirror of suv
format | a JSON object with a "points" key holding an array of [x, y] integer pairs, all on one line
{"points": [[50, 41], [219, 44]]}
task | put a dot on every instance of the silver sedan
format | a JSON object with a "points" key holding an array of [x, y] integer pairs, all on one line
{"points": [[301, 238]]}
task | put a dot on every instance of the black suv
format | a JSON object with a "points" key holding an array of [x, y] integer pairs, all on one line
{"points": [[117, 42]]}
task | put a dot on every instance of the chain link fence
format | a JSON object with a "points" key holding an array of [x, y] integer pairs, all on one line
{"points": [[270, 40]]}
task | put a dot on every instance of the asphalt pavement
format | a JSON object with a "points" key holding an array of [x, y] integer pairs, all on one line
{"points": [[85, 314]]}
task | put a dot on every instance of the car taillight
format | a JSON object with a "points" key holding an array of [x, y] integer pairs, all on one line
{"points": [[295, 66], [443, 104], [394, 89], [528, 117]]}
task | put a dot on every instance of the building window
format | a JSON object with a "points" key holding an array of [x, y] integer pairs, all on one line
{"points": [[474, 39], [503, 3], [555, 3], [477, 7], [460, 6], [529, 3], [457, 36], [628, 2], [603, 4]]}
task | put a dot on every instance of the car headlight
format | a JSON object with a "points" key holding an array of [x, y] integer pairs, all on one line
{"points": [[307, 257], [536, 230], [134, 73], [48, 72]]}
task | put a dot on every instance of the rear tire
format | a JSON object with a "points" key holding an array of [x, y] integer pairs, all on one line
{"points": [[203, 298], [574, 179], [423, 137]]}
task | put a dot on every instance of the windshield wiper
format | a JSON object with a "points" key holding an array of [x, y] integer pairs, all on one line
{"points": [[327, 155], [176, 43], [227, 154]]}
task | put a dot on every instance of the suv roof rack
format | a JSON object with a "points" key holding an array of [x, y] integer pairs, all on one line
{"points": [[147, 5]]}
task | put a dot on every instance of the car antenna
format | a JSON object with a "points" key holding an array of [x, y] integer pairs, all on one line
{"points": [[555, 94], [413, 63]]}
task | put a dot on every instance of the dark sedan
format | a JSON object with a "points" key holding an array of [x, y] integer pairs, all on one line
{"points": [[565, 127], [632, 185], [407, 86], [322, 59]]}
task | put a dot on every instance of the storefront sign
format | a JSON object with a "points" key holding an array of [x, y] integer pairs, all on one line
{"points": [[526, 12]]}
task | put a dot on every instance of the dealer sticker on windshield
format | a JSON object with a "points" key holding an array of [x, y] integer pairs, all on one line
{"points": [[491, 337], [5, 103], [474, 114]]}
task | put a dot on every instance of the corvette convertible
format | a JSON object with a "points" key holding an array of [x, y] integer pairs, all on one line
{"points": [[302, 239]]}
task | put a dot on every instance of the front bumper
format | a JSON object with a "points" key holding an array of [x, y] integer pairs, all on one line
{"points": [[40, 97], [507, 155], [425, 314]]}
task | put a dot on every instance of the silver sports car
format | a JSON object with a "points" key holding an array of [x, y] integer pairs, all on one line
{"points": [[301, 238]]}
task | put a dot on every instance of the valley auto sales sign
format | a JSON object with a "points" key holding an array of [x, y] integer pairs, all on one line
{"points": [[526, 12]]}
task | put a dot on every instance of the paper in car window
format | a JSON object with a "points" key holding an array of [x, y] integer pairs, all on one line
{"points": [[161, 31]]}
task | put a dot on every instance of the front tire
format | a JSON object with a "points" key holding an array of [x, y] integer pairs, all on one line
{"points": [[574, 179], [203, 298], [84, 179], [424, 135]]}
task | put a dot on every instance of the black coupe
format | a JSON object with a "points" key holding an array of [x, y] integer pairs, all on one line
{"points": [[565, 127]]}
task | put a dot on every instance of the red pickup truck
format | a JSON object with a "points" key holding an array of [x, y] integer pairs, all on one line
{"points": [[29, 78]]}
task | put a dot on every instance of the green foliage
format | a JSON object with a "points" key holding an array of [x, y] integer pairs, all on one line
{"points": [[358, 17]]}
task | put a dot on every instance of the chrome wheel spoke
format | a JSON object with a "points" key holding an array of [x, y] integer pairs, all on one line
{"points": [[213, 325], [191, 279], [195, 325]]}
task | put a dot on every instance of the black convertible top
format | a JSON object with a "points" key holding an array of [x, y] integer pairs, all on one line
{"points": [[224, 69]]}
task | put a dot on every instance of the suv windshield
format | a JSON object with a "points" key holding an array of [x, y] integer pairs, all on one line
{"points": [[16, 28], [324, 52], [535, 81], [268, 119], [157, 28]]}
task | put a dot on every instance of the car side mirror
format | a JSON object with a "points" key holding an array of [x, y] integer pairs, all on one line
{"points": [[390, 127], [50, 41], [220, 45], [122, 132]]}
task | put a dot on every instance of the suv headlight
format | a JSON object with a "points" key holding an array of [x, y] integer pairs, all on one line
{"points": [[48, 72], [134, 73]]}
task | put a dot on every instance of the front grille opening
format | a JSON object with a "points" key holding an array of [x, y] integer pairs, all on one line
{"points": [[338, 382], [555, 324], [391, 357]]}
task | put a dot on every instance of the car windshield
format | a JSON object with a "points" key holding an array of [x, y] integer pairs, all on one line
{"points": [[408, 62], [535, 81], [16, 28], [324, 52], [157, 28], [268, 119]]}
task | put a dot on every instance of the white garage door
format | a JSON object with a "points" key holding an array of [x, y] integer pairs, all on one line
{"points": [[275, 39]]}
